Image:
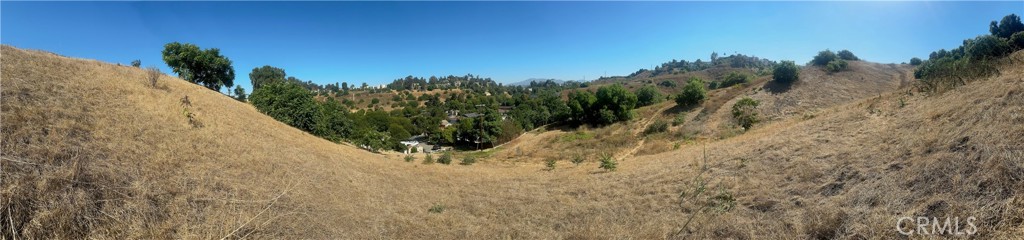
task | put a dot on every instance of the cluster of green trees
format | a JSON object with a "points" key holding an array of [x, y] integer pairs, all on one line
{"points": [[482, 114], [834, 62], [610, 104], [735, 60], [972, 59]]}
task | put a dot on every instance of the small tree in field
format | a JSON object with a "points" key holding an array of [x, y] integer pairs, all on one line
{"points": [[136, 63], [693, 93], [647, 95], [745, 112], [786, 72]]}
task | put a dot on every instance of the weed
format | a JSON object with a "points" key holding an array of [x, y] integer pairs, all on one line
{"points": [[550, 164], [437, 208], [658, 126], [608, 163], [679, 119], [468, 160], [577, 159], [409, 158], [445, 158], [429, 159]]}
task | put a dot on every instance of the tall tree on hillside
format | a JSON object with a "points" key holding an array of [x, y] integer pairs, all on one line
{"points": [[265, 75], [205, 67], [1006, 27]]}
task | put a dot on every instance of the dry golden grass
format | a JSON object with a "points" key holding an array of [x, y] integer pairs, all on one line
{"points": [[91, 151]]}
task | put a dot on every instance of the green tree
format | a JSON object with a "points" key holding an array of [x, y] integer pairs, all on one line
{"points": [[786, 72], [745, 112], [1006, 27], [136, 63], [693, 93], [205, 67], [987, 47], [847, 55], [581, 104], [240, 93], [332, 122], [915, 61], [288, 103], [648, 95], [823, 58], [616, 99], [265, 75]]}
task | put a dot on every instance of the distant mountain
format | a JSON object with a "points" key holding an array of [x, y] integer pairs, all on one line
{"points": [[538, 80]]}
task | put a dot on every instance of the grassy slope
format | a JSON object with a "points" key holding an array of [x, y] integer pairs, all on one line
{"points": [[90, 151]]}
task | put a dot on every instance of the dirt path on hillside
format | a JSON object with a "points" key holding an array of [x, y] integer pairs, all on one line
{"points": [[637, 132]]}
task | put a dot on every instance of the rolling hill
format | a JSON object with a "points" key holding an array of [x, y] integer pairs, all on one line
{"points": [[90, 150]]}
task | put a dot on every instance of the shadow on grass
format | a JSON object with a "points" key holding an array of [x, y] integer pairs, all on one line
{"points": [[774, 87]]}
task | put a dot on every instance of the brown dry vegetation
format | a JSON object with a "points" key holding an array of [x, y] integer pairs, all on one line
{"points": [[90, 151]]}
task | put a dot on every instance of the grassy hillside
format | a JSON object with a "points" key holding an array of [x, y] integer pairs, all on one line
{"points": [[91, 151]]}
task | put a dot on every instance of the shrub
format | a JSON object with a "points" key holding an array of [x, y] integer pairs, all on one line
{"points": [[986, 47], [647, 95], [847, 55], [693, 93], [429, 159], [550, 164], [152, 74], [445, 158], [823, 58], [745, 112], [1017, 41], [437, 208], [836, 65], [679, 119], [136, 63], [468, 160], [658, 126], [786, 72], [577, 159], [734, 78], [607, 162], [667, 83], [409, 158], [915, 61]]}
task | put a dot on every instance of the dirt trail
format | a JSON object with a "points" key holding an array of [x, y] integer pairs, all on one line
{"points": [[638, 131]]}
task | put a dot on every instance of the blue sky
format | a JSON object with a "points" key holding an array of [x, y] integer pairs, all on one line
{"points": [[376, 42]]}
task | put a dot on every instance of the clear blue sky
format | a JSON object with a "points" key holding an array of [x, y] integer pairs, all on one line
{"points": [[376, 42]]}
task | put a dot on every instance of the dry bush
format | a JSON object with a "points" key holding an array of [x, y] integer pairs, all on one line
{"points": [[153, 74]]}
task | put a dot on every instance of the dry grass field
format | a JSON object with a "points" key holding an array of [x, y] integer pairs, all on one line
{"points": [[90, 150]]}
